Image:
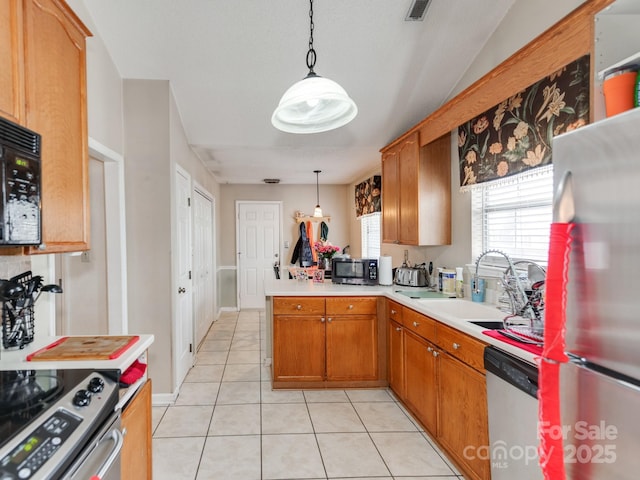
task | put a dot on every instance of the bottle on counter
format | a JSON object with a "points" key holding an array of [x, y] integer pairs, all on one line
{"points": [[459, 283], [440, 279]]}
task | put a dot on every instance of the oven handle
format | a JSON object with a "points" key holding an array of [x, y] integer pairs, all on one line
{"points": [[118, 439]]}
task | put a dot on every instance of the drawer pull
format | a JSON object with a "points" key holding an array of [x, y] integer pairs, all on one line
{"points": [[398, 329], [322, 320], [416, 324], [435, 354], [456, 346], [393, 312], [329, 319], [299, 307], [350, 307], [429, 349]]}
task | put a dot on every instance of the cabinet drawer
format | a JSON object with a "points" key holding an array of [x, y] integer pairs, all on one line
{"points": [[394, 311], [420, 324], [298, 305], [462, 346], [352, 305]]}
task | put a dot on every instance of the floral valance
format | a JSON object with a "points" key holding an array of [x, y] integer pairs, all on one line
{"points": [[515, 136], [368, 196]]}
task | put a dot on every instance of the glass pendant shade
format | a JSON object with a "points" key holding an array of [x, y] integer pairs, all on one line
{"points": [[314, 104], [317, 212]]}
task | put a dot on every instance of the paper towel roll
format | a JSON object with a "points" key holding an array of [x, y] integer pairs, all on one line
{"points": [[385, 274]]}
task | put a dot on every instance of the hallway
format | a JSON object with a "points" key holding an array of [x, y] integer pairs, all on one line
{"points": [[228, 424]]}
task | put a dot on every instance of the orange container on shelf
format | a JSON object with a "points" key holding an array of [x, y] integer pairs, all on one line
{"points": [[619, 89]]}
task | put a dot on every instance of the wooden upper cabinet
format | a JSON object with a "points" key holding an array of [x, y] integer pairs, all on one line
{"points": [[390, 197], [11, 59], [416, 192], [56, 108]]}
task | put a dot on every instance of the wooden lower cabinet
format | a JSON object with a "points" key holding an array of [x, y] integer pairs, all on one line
{"points": [[440, 382], [324, 340], [136, 423], [299, 347], [352, 347], [421, 377], [463, 416]]}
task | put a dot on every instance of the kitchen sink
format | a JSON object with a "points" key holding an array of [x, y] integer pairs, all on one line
{"points": [[488, 324], [463, 309]]}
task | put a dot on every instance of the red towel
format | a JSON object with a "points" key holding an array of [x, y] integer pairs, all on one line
{"points": [[133, 373]]}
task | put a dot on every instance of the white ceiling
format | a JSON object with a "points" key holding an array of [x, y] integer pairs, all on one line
{"points": [[230, 61]]}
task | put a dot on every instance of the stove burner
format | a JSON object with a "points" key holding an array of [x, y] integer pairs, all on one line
{"points": [[24, 393]]}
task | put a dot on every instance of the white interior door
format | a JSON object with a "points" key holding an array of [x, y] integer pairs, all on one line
{"points": [[203, 279], [258, 248], [183, 344]]}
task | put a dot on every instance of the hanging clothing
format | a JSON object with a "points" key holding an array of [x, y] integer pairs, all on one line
{"points": [[303, 252], [311, 242], [324, 231]]}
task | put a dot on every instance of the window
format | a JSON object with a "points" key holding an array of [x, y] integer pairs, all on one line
{"points": [[514, 217], [370, 228]]}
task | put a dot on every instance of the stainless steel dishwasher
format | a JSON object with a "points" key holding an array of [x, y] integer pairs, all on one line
{"points": [[512, 387]]}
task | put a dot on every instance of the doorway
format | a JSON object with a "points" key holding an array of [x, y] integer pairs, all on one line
{"points": [[258, 234]]}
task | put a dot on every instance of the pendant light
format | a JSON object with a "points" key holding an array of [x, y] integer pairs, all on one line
{"points": [[317, 212], [314, 104]]}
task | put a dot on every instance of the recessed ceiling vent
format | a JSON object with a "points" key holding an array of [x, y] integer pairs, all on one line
{"points": [[418, 10], [271, 180]]}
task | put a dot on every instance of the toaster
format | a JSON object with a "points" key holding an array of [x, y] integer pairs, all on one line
{"points": [[411, 276]]}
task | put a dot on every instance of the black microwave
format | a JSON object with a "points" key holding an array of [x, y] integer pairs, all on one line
{"points": [[355, 271], [20, 207]]}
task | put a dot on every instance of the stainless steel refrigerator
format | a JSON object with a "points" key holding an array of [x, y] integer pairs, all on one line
{"points": [[599, 385]]}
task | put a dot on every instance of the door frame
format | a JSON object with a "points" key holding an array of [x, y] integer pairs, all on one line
{"points": [[280, 230], [214, 260]]}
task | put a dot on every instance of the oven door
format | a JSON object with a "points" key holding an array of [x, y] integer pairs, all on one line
{"points": [[100, 459]]}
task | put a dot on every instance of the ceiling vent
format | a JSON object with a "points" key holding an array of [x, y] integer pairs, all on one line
{"points": [[271, 180], [418, 10]]}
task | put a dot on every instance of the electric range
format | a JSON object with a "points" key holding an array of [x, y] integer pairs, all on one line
{"points": [[47, 417]]}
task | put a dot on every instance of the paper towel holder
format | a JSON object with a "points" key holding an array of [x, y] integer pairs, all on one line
{"points": [[385, 274]]}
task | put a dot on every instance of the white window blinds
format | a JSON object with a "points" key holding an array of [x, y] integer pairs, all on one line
{"points": [[371, 235], [514, 217]]}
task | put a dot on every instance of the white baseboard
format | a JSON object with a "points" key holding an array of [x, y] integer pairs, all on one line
{"points": [[163, 399]]}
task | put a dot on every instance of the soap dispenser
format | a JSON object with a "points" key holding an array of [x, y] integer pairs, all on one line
{"points": [[459, 283]]}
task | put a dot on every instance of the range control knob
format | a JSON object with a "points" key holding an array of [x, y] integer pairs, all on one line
{"points": [[82, 398], [96, 385]]}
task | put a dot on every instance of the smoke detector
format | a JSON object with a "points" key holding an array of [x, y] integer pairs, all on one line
{"points": [[417, 11], [271, 180]]}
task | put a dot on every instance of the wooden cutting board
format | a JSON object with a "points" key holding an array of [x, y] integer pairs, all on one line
{"points": [[84, 348]]}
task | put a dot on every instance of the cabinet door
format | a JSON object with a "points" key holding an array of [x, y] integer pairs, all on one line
{"points": [[56, 109], [352, 347], [421, 379], [298, 347], [463, 416], [11, 58], [408, 176], [136, 450], [390, 197], [396, 359]]}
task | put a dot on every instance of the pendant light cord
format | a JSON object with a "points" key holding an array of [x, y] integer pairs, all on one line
{"points": [[317, 187], [311, 54]]}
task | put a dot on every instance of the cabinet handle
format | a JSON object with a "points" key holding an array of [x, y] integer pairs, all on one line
{"points": [[299, 307], [435, 354], [350, 307], [329, 319], [322, 320], [416, 324], [429, 349], [456, 346], [398, 329], [393, 312]]}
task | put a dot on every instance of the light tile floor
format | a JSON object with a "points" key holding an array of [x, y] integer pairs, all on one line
{"points": [[228, 424]]}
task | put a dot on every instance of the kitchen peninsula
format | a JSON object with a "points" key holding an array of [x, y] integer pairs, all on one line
{"points": [[426, 350]]}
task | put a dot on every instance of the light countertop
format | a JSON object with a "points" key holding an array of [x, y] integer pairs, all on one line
{"points": [[15, 359], [445, 310]]}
